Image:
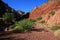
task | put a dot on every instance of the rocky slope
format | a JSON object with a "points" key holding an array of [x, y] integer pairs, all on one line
{"points": [[49, 12], [4, 7]]}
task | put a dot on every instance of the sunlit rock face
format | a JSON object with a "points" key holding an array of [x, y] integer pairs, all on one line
{"points": [[42, 10], [45, 12]]}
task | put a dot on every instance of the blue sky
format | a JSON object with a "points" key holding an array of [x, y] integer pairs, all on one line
{"points": [[24, 5]]}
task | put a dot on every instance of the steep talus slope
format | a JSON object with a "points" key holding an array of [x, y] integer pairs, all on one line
{"points": [[45, 12]]}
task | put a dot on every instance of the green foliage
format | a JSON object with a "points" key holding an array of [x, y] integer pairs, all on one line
{"points": [[7, 20], [55, 28], [8, 16], [52, 12], [43, 21], [32, 20], [24, 25], [39, 18]]}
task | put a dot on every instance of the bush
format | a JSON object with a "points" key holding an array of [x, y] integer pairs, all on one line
{"points": [[8, 16], [52, 12], [43, 21], [39, 18], [55, 28], [32, 20], [24, 25], [7, 20]]}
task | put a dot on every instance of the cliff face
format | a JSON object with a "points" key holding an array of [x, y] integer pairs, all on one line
{"points": [[45, 11]]}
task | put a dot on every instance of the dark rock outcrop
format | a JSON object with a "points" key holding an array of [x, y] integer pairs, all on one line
{"points": [[4, 8]]}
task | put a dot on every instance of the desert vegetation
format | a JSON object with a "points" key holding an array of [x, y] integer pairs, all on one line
{"points": [[42, 21], [52, 13], [39, 18], [24, 25], [6, 21], [13, 25], [53, 27], [28, 26]]}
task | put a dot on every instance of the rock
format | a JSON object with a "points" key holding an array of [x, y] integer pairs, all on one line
{"points": [[4, 7], [45, 12], [57, 33], [55, 20]]}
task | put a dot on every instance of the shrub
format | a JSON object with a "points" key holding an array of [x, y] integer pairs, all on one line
{"points": [[24, 25], [55, 28], [32, 20], [8, 16], [39, 18], [8, 20], [52, 12], [43, 21]]}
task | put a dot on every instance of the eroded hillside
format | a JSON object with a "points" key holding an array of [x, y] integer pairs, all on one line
{"points": [[49, 12]]}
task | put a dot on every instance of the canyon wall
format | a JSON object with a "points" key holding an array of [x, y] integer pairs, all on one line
{"points": [[46, 10]]}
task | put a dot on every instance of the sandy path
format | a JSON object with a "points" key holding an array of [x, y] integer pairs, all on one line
{"points": [[33, 35]]}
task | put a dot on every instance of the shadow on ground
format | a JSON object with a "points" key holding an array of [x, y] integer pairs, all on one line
{"points": [[12, 38]]}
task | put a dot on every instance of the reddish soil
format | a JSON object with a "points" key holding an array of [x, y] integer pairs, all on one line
{"points": [[41, 34]]}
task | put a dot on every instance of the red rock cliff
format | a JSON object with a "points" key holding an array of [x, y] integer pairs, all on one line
{"points": [[45, 10]]}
